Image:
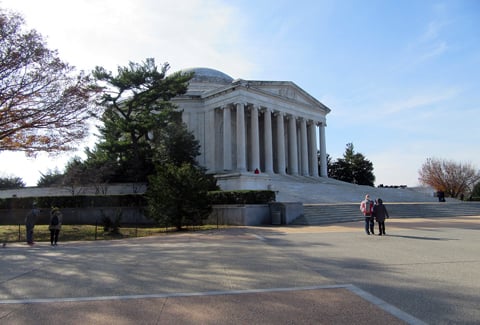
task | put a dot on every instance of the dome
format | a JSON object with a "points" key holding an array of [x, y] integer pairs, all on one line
{"points": [[209, 76], [206, 79]]}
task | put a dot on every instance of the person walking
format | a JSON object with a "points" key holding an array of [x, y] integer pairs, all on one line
{"points": [[366, 207], [30, 221], [55, 225], [380, 213]]}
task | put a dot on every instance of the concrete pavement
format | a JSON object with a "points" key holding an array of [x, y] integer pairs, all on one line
{"points": [[423, 271]]}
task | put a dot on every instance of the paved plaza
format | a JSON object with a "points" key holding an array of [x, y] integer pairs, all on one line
{"points": [[425, 271]]}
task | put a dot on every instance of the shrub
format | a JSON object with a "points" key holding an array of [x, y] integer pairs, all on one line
{"points": [[242, 197]]}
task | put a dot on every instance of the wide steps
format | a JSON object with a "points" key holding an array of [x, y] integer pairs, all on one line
{"points": [[320, 214]]}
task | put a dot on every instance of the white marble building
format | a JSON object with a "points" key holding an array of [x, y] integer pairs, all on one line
{"points": [[245, 125]]}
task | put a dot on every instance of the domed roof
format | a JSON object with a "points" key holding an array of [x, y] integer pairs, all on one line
{"points": [[209, 76], [206, 79]]}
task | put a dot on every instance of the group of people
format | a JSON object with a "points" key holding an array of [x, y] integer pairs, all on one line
{"points": [[374, 211], [54, 225]]}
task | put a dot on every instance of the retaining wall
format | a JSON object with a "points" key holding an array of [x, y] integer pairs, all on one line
{"points": [[235, 215]]}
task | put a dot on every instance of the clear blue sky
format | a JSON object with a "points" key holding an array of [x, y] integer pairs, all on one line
{"points": [[402, 78]]}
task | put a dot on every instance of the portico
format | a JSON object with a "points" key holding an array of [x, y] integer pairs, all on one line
{"points": [[244, 125], [249, 141]]}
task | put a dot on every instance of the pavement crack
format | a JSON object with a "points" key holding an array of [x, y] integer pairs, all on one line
{"points": [[159, 319], [19, 275]]}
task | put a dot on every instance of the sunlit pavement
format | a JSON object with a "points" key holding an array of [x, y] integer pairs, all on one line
{"points": [[423, 271]]}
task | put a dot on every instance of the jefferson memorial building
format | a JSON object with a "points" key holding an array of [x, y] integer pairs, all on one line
{"points": [[253, 131]]}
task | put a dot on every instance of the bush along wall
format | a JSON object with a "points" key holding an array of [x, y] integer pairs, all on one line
{"points": [[241, 197], [128, 209], [132, 200], [78, 201]]}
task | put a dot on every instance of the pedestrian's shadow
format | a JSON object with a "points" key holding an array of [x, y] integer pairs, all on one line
{"points": [[421, 238]]}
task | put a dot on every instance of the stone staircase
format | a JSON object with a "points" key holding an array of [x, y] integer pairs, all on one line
{"points": [[329, 213], [327, 190]]}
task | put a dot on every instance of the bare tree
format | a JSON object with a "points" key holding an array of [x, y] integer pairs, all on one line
{"points": [[43, 106], [448, 176]]}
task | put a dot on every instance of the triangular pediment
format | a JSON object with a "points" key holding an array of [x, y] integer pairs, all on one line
{"points": [[286, 90]]}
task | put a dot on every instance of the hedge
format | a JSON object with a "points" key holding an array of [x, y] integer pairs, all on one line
{"points": [[78, 201], [241, 197], [131, 200]]}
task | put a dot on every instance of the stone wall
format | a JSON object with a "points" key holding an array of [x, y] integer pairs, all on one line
{"points": [[235, 215]]}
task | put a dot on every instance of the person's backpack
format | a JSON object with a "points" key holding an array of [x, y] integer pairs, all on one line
{"points": [[368, 207], [54, 220]]}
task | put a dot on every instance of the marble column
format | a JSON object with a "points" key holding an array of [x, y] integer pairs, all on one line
{"points": [[312, 153], [267, 133], [280, 144], [209, 151], [255, 147], [323, 151], [227, 138], [241, 147], [292, 146], [304, 146]]}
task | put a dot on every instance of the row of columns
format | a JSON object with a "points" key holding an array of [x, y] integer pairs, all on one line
{"points": [[307, 154]]}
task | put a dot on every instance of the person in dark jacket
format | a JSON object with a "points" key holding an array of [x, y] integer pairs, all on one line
{"points": [[55, 225], [30, 221], [380, 213]]}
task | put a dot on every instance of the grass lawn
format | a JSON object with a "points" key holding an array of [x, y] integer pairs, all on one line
{"points": [[16, 233]]}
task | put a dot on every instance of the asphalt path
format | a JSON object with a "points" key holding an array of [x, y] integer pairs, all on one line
{"points": [[425, 271]]}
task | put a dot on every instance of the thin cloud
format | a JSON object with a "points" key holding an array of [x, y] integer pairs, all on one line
{"points": [[435, 50], [433, 31], [420, 100], [430, 43]]}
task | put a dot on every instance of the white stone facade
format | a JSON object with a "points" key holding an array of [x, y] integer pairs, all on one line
{"points": [[244, 125]]}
